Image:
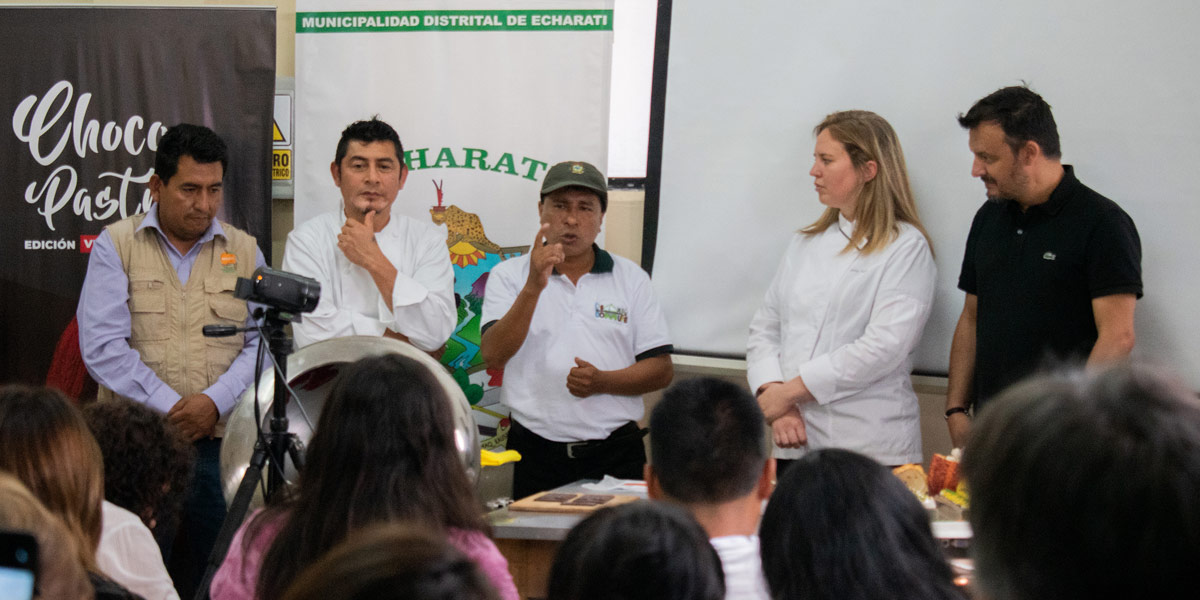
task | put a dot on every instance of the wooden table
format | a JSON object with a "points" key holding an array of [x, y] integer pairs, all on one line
{"points": [[529, 540]]}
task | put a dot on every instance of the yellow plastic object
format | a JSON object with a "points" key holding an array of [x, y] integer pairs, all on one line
{"points": [[958, 498], [488, 458]]}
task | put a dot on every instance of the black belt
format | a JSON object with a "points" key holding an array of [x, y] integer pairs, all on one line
{"points": [[591, 448], [581, 450]]}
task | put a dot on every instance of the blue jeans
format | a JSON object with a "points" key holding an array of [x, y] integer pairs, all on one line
{"points": [[203, 512]]}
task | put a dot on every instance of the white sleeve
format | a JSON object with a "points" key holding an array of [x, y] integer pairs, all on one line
{"points": [[763, 346], [649, 322], [423, 307], [129, 555], [306, 255], [899, 311]]}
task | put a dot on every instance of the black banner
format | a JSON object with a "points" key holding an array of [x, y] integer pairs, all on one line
{"points": [[86, 94]]}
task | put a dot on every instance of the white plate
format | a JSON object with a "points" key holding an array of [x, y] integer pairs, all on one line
{"points": [[951, 530]]}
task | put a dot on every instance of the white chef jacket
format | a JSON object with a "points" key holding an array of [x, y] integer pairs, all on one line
{"points": [[847, 324], [422, 307]]}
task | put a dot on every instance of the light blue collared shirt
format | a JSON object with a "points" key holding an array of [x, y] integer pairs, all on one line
{"points": [[105, 323]]}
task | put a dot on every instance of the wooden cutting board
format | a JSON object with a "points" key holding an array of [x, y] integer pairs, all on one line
{"points": [[560, 502]]}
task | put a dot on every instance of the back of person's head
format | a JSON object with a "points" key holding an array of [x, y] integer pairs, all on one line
{"points": [[707, 443], [366, 132], [1023, 116], [640, 550], [841, 526], [1087, 485], [46, 444], [886, 200], [393, 562], [147, 462], [185, 139], [59, 573], [384, 450]]}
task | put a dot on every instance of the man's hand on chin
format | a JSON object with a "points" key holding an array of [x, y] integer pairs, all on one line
{"points": [[357, 240]]}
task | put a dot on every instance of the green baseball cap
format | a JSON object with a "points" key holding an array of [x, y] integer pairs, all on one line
{"points": [[574, 172]]}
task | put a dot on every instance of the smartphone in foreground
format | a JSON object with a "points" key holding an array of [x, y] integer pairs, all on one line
{"points": [[18, 563]]}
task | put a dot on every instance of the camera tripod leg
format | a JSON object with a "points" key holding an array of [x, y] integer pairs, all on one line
{"points": [[234, 517]]}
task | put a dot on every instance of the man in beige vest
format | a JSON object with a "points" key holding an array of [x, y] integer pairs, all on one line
{"points": [[153, 281]]}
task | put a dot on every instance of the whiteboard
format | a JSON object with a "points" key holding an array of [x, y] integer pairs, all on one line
{"points": [[748, 81]]}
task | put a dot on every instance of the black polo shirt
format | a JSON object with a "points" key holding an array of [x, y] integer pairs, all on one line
{"points": [[1035, 274]]}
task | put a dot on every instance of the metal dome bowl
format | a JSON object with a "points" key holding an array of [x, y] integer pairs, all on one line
{"points": [[311, 371]]}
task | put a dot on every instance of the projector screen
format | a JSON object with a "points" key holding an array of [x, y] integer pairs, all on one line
{"points": [[748, 81]]}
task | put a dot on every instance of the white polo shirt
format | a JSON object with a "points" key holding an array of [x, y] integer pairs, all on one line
{"points": [[610, 318]]}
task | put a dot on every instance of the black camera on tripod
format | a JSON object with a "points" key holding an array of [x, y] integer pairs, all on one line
{"points": [[280, 290]]}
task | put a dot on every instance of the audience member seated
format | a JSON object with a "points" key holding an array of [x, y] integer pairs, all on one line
{"points": [[46, 444], [58, 574], [635, 551], [1087, 485], [393, 562], [841, 526], [709, 453], [383, 452], [147, 468]]}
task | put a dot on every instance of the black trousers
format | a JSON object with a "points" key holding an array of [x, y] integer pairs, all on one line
{"points": [[547, 464]]}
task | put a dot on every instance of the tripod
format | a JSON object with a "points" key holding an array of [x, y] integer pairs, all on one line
{"points": [[271, 448]]}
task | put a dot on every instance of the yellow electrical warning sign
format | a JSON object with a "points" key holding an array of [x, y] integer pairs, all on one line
{"points": [[281, 164]]}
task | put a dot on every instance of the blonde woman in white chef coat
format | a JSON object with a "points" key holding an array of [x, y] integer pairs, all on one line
{"points": [[830, 351]]}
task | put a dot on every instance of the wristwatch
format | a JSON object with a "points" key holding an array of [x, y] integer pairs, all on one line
{"points": [[956, 409]]}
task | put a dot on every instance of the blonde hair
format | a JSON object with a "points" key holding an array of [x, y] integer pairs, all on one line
{"points": [[45, 442], [887, 199], [59, 573]]}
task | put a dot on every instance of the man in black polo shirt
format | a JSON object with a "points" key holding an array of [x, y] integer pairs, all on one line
{"points": [[1052, 269]]}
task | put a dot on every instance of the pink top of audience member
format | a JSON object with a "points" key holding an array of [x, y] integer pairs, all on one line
{"points": [[238, 574]]}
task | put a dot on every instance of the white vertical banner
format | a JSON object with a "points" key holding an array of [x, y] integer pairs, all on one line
{"points": [[485, 95]]}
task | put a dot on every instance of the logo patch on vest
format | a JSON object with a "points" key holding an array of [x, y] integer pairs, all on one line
{"points": [[612, 313], [1049, 256], [228, 262]]}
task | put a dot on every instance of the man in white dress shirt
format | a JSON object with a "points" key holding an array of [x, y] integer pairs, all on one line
{"points": [[381, 273], [708, 452]]}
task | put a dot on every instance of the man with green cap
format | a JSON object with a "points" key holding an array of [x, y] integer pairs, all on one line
{"points": [[580, 336]]}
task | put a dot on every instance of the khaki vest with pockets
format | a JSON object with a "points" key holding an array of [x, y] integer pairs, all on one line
{"points": [[167, 315]]}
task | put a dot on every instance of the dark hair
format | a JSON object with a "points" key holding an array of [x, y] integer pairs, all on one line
{"points": [[635, 551], [372, 130], [708, 443], [397, 562], [147, 462], [46, 444], [1087, 485], [383, 451], [841, 526], [185, 139], [1021, 113]]}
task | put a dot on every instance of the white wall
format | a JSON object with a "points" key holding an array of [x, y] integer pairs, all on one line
{"points": [[748, 81]]}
